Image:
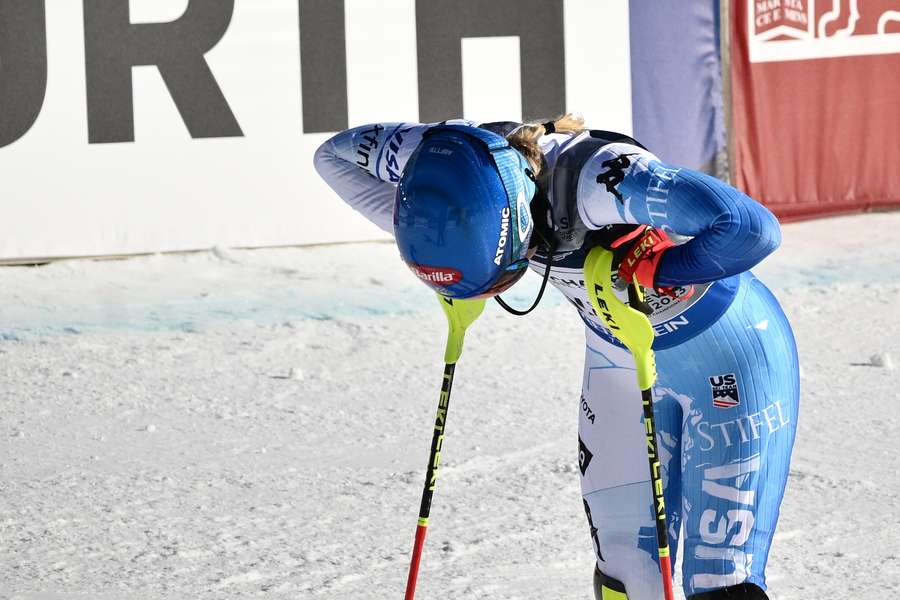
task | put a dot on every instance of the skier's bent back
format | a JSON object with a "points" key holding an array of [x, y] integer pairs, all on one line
{"points": [[471, 207]]}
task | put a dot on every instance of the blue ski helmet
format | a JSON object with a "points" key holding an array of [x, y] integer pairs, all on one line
{"points": [[461, 214]]}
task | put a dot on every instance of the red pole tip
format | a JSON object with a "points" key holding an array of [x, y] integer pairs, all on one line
{"points": [[418, 545], [665, 568]]}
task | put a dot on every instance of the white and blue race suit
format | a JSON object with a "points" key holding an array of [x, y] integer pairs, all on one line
{"points": [[727, 393]]}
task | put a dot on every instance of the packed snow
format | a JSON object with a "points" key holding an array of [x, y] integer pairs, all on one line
{"points": [[236, 424]]}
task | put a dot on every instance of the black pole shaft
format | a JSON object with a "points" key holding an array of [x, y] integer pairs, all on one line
{"points": [[437, 440], [656, 482]]}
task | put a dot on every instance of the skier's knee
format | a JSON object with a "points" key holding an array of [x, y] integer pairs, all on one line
{"points": [[607, 588]]}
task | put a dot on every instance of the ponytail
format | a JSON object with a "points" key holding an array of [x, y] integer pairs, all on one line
{"points": [[525, 138]]}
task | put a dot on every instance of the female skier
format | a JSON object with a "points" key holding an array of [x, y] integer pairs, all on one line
{"points": [[471, 207]]}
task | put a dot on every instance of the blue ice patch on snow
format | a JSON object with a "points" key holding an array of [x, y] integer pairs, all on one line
{"points": [[311, 300]]}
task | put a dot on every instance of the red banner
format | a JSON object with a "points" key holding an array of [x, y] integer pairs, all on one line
{"points": [[816, 104]]}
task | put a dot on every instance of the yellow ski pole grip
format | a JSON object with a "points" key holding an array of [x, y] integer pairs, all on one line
{"points": [[460, 314], [633, 329], [629, 326]]}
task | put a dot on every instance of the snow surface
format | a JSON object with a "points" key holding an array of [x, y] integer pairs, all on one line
{"points": [[241, 424]]}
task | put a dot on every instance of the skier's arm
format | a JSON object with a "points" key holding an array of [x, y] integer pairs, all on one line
{"points": [[731, 232], [363, 165]]}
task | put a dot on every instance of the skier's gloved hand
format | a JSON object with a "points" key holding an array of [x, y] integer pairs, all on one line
{"points": [[638, 254]]}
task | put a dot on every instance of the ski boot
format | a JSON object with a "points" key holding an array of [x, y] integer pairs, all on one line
{"points": [[607, 588], [743, 591]]}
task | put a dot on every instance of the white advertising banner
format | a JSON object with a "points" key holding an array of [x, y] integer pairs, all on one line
{"points": [[164, 125]]}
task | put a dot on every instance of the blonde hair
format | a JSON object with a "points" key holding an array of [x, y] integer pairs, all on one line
{"points": [[525, 138]]}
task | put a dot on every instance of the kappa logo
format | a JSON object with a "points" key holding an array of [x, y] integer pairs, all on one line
{"points": [[615, 175], [584, 456], [724, 391]]}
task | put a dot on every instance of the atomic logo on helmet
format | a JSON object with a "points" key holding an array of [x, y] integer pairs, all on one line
{"points": [[504, 234]]}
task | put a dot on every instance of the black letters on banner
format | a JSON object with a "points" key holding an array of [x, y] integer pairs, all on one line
{"points": [[441, 24], [323, 65], [113, 45], [23, 66]]}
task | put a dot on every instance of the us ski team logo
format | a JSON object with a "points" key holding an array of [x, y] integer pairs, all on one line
{"points": [[724, 391]]}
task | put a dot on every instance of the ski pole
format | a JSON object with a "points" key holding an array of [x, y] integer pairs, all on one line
{"points": [[630, 325], [460, 314]]}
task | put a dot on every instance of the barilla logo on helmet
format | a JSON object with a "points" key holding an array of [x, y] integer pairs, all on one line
{"points": [[437, 275]]}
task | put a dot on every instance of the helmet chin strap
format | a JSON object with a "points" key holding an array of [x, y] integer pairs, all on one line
{"points": [[520, 313], [542, 203]]}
